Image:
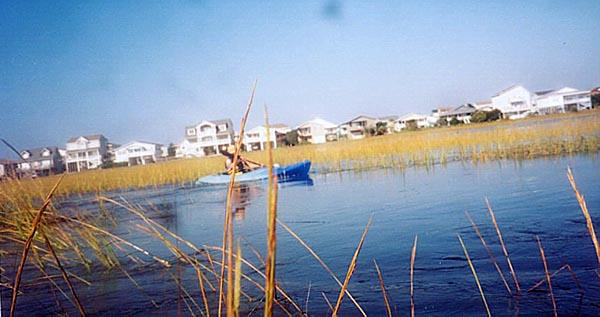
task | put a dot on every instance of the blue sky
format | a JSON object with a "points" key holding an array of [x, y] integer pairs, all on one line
{"points": [[143, 70]]}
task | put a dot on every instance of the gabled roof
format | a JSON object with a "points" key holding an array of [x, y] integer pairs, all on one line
{"points": [[508, 89], [87, 137], [443, 109], [388, 118], [563, 90], [273, 127], [36, 154], [133, 142], [279, 126], [462, 109], [411, 116], [542, 93], [318, 121], [362, 117], [215, 122]]}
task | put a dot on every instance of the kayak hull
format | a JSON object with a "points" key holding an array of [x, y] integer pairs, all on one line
{"points": [[289, 173]]}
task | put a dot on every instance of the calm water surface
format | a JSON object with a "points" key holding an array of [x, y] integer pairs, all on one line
{"points": [[530, 199]]}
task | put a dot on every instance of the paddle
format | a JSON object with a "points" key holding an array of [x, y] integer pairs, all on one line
{"points": [[245, 161]]}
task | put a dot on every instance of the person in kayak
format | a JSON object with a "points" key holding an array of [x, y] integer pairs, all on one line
{"points": [[243, 165]]}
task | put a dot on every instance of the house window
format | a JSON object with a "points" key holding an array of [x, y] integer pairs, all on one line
{"points": [[46, 153], [222, 127], [191, 131], [205, 128], [207, 139]]}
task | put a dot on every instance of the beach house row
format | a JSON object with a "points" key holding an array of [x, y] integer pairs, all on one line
{"points": [[211, 137], [517, 102], [82, 153]]}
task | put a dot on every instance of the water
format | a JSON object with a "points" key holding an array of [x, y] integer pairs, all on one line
{"points": [[530, 199]]}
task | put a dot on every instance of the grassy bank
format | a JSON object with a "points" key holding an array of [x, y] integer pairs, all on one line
{"points": [[521, 139], [75, 237]]}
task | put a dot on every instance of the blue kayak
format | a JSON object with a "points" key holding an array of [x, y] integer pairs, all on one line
{"points": [[289, 173]]}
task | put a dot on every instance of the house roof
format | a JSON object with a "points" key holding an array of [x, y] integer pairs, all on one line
{"points": [[126, 145], [271, 126], [361, 117], [507, 90], [279, 126], [215, 122], [88, 137], [318, 121], [388, 118], [411, 116], [463, 109], [36, 154], [544, 92]]}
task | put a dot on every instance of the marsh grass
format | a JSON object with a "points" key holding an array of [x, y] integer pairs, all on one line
{"points": [[566, 266], [271, 227], [515, 140], [413, 256], [489, 253], [383, 291], [548, 279], [351, 268], [588, 218], [82, 239], [504, 250], [462, 244], [205, 265]]}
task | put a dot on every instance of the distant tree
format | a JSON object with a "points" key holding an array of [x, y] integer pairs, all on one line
{"points": [[291, 138], [369, 131], [381, 128], [171, 150], [455, 121], [595, 100], [479, 116], [412, 125], [209, 151], [494, 115], [441, 122]]}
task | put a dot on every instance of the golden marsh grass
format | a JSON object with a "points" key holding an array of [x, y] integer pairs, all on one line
{"points": [[74, 234], [522, 139]]}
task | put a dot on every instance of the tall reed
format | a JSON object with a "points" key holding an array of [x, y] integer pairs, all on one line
{"points": [[487, 308], [586, 213], [351, 268], [228, 225], [271, 226], [34, 227], [512, 270], [489, 253], [413, 255], [325, 266], [383, 291], [543, 255]]}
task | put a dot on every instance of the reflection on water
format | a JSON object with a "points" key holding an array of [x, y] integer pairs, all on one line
{"points": [[241, 197], [530, 199]]}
